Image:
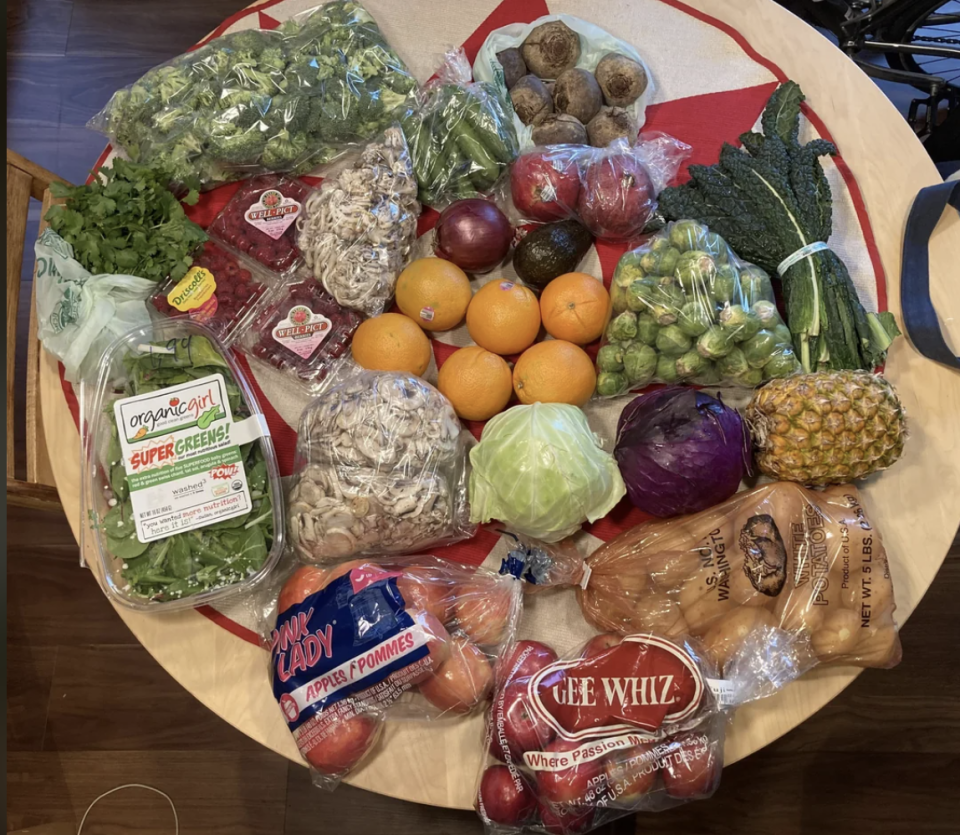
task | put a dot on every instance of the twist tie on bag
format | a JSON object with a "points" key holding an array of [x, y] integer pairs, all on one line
{"points": [[585, 577], [799, 255]]}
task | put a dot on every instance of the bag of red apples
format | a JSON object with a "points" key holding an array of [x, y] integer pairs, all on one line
{"points": [[612, 191], [411, 637], [627, 724], [771, 582]]}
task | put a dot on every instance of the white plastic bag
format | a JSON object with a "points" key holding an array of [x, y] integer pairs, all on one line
{"points": [[594, 44], [79, 314]]}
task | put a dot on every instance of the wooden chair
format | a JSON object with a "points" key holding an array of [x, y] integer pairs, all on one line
{"points": [[26, 180]]}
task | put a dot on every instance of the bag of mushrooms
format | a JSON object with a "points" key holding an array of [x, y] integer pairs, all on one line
{"points": [[769, 583], [379, 469], [570, 82]]}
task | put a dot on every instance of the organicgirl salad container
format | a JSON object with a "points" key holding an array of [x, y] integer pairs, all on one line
{"points": [[181, 488], [222, 290]]}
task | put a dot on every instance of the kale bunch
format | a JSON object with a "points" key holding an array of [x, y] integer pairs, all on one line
{"points": [[255, 100]]}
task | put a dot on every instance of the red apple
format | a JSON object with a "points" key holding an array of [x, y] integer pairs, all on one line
{"points": [[568, 785], [566, 820], [693, 767], [601, 643], [523, 660], [617, 196], [438, 644], [345, 743], [305, 581], [545, 185], [462, 681], [630, 775], [426, 589], [522, 730], [505, 797], [483, 609]]}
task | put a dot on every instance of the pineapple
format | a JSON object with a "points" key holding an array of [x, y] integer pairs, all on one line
{"points": [[826, 428]]}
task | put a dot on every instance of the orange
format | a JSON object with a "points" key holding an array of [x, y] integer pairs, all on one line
{"points": [[391, 342], [477, 382], [554, 371], [503, 317], [434, 293], [575, 307]]}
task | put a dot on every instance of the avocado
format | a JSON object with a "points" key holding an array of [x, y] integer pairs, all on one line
{"points": [[551, 250]]}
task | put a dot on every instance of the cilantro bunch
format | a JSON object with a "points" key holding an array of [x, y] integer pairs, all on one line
{"points": [[127, 222]]}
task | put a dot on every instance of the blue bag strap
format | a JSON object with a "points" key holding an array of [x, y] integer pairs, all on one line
{"points": [[919, 315]]}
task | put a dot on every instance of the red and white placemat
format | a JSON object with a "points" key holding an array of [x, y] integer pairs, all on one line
{"points": [[711, 87]]}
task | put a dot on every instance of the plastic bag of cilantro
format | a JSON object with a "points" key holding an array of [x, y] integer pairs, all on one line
{"points": [[180, 481], [257, 100]]}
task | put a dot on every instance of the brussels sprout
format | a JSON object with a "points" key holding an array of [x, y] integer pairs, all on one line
{"points": [[783, 363], [709, 374], [669, 280], [687, 234], [650, 262], [661, 243], [622, 326], [783, 335], [690, 364], [759, 349], [642, 294], [628, 268], [610, 383], [618, 292], [714, 343], [639, 363], [733, 364], [755, 285], [647, 329], [668, 261], [739, 323], [752, 377], [716, 246], [726, 284], [672, 341], [667, 369], [695, 270], [767, 314], [610, 358], [694, 318]]}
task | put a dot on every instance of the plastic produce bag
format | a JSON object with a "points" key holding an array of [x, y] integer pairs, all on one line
{"points": [[594, 44], [358, 230], [625, 725], [79, 314], [414, 637], [181, 486], [380, 469], [462, 137], [257, 100], [686, 309]]}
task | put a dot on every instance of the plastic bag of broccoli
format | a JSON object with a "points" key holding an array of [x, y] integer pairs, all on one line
{"points": [[687, 310], [260, 100]]}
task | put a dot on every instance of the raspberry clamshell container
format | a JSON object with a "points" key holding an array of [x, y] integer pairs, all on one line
{"points": [[260, 220], [221, 290], [302, 331], [181, 491]]}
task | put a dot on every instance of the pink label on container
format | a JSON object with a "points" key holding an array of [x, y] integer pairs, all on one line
{"points": [[272, 213], [303, 331]]}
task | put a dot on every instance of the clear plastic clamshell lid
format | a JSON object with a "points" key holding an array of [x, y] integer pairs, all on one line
{"points": [[181, 484]]}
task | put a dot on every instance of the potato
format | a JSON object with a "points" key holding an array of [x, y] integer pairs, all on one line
{"points": [[668, 570], [727, 635], [798, 611], [657, 613], [878, 647], [838, 635]]}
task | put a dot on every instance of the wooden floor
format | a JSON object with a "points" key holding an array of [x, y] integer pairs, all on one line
{"points": [[89, 709]]}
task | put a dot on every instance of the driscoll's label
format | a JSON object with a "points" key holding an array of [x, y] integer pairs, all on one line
{"points": [[181, 453], [353, 643]]}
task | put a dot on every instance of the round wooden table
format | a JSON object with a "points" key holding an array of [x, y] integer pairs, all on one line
{"points": [[915, 505]]}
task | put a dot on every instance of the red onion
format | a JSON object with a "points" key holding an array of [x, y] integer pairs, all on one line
{"points": [[474, 234]]}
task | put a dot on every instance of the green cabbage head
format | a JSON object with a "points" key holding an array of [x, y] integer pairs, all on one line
{"points": [[540, 470]]}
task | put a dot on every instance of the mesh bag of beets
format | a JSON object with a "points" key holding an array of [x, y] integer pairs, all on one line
{"points": [[221, 290], [380, 469], [347, 643], [687, 310], [627, 724], [303, 332], [261, 220]]}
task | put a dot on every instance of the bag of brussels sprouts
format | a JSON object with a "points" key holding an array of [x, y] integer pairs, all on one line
{"points": [[687, 310]]}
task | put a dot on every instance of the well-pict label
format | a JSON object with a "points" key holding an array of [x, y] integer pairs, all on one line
{"points": [[194, 290], [303, 331], [272, 213], [181, 453]]}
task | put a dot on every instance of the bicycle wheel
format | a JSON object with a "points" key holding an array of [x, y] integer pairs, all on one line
{"points": [[927, 23]]}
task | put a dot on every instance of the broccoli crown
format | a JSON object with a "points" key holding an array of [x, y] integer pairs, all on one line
{"points": [[250, 40], [284, 150], [239, 147], [291, 113]]}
